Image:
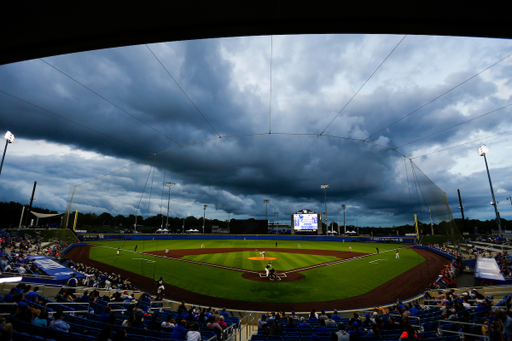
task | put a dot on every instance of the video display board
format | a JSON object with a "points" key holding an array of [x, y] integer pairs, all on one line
{"points": [[305, 222]]}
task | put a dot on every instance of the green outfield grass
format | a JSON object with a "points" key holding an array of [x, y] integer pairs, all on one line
{"points": [[333, 282], [260, 245]]}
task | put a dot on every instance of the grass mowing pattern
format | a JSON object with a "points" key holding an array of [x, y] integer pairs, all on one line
{"points": [[339, 281], [240, 260], [260, 245]]}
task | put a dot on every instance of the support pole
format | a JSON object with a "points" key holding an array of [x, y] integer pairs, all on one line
{"points": [[31, 201]]}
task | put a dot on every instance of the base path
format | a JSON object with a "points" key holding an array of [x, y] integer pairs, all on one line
{"points": [[406, 285]]}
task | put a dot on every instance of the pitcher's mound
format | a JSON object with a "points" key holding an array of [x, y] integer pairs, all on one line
{"points": [[262, 258]]}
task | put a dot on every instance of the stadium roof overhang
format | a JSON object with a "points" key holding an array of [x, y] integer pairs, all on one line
{"points": [[41, 29]]}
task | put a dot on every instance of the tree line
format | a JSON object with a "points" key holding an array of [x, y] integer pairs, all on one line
{"points": [[11, 214]]}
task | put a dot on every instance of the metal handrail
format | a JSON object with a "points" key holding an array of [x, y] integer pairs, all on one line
{"points": [[238, 330], [50, 313], [441, 331], [7, 304]]}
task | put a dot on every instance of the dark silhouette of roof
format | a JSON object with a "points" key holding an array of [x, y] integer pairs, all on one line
{"points": [[45, 28]]}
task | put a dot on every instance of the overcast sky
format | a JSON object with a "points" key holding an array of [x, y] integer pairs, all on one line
{"points": [[235, 121]]}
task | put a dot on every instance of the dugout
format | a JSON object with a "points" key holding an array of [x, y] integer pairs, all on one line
{"points": [[248, 226]]}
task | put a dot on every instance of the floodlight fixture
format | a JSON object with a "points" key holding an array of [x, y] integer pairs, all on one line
{"points": [[482, 151], [9, 138]]}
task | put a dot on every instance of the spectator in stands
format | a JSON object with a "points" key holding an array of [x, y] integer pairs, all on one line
{"points": [[212, 325], [58, 323], [6, 329], [304, 323], [41, 319], [224, 313], [105, 334], [322, 316], [506, 322], [416, 310], [374, 330], [169, 322], [262, 322], [129, 321], [342, 333], [329, 321], [202, 316], [8, 298], [106, 314], [154, 324], [367, 321], [193, 334], [182, 307], [409, 334], [274, 327], [138, 309], [335, 316], [72, 282], [355, 319], [21, 270], [392, 324], [355, 333], [222, 323], [120, 335], [322, 329], [312, 316], [180, 331], [138, 322], [290, 324]]}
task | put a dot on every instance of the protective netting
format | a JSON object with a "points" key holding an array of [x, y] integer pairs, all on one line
{"points": [[432, 205]]}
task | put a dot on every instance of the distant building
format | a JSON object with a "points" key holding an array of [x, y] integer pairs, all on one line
{"points": [[248, 226]]}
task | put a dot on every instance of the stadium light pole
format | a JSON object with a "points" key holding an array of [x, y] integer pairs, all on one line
{"points": [[344, 207], [204, 215], [510, 199], [482, 151], [229, 218], [9, 138], [170, 185], [266, 201], [277, 217], [324, 187]]}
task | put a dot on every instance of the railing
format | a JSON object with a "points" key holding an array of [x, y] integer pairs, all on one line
{"points": [[8, 310], [121, 304], [461, 333], [417, 318], [234, 332], [65, 304]]}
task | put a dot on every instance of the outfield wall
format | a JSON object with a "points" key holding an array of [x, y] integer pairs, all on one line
{"points": [[439, 252], [116, 236]]}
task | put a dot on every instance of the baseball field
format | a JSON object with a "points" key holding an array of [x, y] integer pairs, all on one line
{"points": [[231, 272]]}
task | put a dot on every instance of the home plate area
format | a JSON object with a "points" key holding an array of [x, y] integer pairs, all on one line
{"points": [[277, 277]]}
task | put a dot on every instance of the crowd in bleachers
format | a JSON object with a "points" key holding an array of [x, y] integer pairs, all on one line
{"points": [[448, 276], [442, 318], [121, 316], [118, 317], [99, 279]]}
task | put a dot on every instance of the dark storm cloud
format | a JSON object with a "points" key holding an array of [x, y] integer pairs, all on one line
{"points": [[228, 81]]}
